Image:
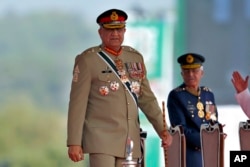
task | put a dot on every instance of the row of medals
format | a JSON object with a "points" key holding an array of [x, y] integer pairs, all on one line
{"points": [[134, 85], [201, 112], [200, 108]]}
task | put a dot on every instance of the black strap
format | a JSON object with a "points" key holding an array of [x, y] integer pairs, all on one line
{"points": [[112, 65]]}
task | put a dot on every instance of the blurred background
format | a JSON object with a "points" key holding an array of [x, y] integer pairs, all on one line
{"points": [[39, 42]]}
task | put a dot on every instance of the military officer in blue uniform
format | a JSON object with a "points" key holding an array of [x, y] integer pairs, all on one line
{"points": [[191, 105]]}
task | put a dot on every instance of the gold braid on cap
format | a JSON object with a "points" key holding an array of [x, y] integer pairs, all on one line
{"points": [[190, 59]]}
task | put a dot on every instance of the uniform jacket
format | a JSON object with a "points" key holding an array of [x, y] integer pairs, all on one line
{"points": [[182, 110], [102, 123], [243, 98]]}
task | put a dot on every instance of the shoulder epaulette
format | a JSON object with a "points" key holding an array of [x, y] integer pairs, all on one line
{"points": [[179, 89], [92, 50], [207, 89], [130, 49]]}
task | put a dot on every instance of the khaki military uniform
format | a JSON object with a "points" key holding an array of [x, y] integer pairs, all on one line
{"points": [[101, 123]]}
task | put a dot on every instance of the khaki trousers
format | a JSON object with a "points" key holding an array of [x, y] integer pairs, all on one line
{"points": [[104, 160]]}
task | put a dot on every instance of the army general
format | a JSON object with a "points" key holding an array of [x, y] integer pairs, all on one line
{"points": [[109, 85]]}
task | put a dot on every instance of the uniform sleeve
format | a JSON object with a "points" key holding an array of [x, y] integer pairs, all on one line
{"points": [[243, 98], [150, 107], [80, 87], [147, 100], [177, 116]]}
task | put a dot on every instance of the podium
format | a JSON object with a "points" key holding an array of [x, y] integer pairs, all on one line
{"points": [[212, 145], [244, 135], [177, 151]]}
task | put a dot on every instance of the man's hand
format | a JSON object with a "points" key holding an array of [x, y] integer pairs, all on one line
{"points": [[166, 139], [239, 83], [75, 153]]}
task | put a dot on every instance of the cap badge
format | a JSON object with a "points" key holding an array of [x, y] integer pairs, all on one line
{"points": [[114, 16], [190, 59]]}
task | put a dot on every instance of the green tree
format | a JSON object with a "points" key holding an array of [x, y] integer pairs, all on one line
{"points": [[32, 136]]}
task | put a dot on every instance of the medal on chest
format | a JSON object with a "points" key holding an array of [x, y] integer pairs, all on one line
{"points": [[114, 85], [210, 111], [104, 90], [200, 106], [121, 71]]}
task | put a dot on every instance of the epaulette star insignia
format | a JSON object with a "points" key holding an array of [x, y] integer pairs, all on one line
{"points": [[207, 89], [179, 89]]}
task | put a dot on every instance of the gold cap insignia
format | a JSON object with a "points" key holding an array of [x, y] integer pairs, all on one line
{"points": [[114, 16], [190, 59]]}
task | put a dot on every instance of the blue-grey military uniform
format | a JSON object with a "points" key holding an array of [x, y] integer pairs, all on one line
{"points": [[182, 110]]}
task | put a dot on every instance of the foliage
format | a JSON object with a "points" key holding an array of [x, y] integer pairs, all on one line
{"points": [[32, 136], [37, 53]]}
